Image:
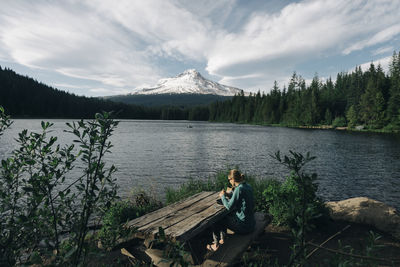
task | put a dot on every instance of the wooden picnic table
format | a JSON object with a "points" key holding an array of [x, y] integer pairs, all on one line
{"points": [[185, 219], [182, 220]]}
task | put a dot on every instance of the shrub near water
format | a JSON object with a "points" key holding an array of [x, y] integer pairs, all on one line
{"points": [[339, 122], [123, 211], [193, 186], [217, 183], [38, 204], [278, 197], [284, 199], [295, 202]]}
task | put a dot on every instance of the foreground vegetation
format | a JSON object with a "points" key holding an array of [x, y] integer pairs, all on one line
{"points": [[46, 216]]}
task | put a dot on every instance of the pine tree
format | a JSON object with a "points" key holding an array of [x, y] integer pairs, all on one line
{"points": [[378, 119], [393, 108], [373, 105], [351, 116], [315, 99], [368, 102], [328, 117]]}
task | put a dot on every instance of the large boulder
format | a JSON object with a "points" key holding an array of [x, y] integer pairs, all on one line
{"points": [[366, 211]]}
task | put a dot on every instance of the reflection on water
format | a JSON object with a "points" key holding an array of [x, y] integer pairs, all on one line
{"points": [[157, 154]]}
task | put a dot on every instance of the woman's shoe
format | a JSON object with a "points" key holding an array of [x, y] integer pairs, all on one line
{"points": [[221, 238], [212, 247]]}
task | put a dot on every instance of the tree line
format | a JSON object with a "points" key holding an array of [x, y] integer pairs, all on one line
{"points": [[370, 98], [24, 97]]}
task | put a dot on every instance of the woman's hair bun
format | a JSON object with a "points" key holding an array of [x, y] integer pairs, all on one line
{"points": [[236, 175]]}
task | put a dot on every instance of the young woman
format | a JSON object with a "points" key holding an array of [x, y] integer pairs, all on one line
{"points": [[239, 200]]}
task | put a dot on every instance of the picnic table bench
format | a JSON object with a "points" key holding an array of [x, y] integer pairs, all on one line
{"points": [[187, 218], [182, 220]]}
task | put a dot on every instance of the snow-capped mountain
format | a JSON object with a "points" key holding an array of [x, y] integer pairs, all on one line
{"points": [[188, 82]]}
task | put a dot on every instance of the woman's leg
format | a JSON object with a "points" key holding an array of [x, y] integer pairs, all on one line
{"points": [[232, 223], [217, 229], [218, 234]]}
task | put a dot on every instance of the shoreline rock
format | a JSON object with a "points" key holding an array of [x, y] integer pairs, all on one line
{"points": [[367, 211]]}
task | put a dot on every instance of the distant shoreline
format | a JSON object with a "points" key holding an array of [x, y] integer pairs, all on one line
{"points": [[320, 127], [316, 127]]}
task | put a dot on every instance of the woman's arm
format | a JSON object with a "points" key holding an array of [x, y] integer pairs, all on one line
{"points": [[228, 192], [231, 203]]}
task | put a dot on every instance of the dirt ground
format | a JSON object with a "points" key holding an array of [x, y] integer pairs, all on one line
{"points": [[274, 246]]}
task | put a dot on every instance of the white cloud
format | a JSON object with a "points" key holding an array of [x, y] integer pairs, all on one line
{"points": [[67, 85], [380, 37], [384, 62], [74, 42], [383, 50], [214, 13], [125, 44], [301, 32], [104, 91], [164, 25], [229, 79], [256, 82]]}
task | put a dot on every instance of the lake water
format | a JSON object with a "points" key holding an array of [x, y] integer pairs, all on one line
{"points": [[157, 154]]}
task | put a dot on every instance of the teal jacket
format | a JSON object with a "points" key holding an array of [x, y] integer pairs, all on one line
{"points": [[242, 204]]}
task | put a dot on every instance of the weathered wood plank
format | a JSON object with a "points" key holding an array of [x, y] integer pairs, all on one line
{"points": [[180, 215], [170, 209], [207, 222], [166, 210], [184, 229], [235, 245]]}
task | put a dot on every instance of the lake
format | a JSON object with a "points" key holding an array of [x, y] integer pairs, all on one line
{"points": [[156, 154]]}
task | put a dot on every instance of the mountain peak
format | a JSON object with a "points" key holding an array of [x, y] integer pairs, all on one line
{"points": [[191, 72], [188, 82]]}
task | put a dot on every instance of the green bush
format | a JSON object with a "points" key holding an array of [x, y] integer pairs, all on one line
{"points": [[187, 189], [259, 186], [217, 183], [38, 204], [280, 198], [339, 122], [285, 200], [295, 203], [392, 127], [121, 212], [112, 228]]}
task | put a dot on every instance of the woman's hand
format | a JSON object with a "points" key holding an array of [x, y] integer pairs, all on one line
{"points": [[222, 193], [229, 190]]}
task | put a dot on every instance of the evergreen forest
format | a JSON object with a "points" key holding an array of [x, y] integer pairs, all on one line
{"points": [[370, 98], [24, 97], [157, 100]]}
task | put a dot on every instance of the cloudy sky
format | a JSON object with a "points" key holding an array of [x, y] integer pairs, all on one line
{"points": [[107, 47]]}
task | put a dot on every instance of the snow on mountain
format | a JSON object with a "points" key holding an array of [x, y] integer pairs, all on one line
{"points": [[188, 82]]}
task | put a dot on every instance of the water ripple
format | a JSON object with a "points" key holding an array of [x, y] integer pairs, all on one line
{"points": [[157, 154]]}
